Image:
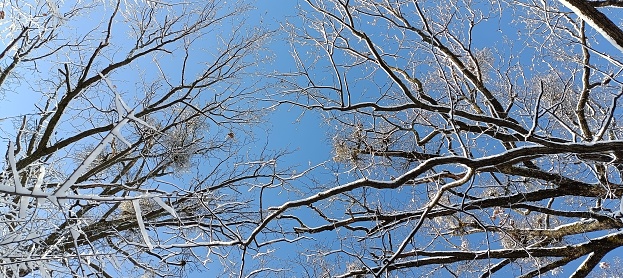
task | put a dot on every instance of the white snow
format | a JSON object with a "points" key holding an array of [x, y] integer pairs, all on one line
{"points": [[165, 206], [19, 189], [23, 207], [37, 188], [580, 13], [141, 224], [92, 156]]}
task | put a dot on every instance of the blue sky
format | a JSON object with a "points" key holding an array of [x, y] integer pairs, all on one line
{"points": [[303, 133]]}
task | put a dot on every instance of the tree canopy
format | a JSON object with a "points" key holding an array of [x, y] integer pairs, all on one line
{"points": [[468, 139]]}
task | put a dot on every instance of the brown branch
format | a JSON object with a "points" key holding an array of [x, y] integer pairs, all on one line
{"points": [[607, 3], [597, 20]]}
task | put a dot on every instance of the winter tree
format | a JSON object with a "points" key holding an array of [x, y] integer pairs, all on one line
{"points": [[471, 138], [132, 159]]}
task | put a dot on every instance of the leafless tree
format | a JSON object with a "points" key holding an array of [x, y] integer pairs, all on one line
{"points": [[134, 158], [471, 138]]}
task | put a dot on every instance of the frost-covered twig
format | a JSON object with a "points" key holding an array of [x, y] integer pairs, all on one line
{"points": [[61, 192], [128, 115], [606, 123]]}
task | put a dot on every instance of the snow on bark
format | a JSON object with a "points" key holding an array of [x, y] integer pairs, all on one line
{"points": [[23, 207], [125, 116], [141, 224], [19, 189], [166, 207], [123, 110], [597, 20], [92, 156]]}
